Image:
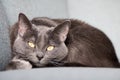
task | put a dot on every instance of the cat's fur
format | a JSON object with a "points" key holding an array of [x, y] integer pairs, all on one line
{"points": [[76, 43]]}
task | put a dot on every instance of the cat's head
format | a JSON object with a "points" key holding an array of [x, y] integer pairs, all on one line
{"points": [[40, 44]]}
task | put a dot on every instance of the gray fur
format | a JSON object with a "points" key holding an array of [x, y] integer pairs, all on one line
{"points": [[76, 43]]}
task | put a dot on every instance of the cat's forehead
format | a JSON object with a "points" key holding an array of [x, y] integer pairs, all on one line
{"points": [[42, 29], [42, 35]]}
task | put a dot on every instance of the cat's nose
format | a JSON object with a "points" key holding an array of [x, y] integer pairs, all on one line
{"points": [[39, 55]]}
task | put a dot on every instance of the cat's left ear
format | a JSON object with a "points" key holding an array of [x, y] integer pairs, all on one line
{"points": [[62, 30], [23, 24]]}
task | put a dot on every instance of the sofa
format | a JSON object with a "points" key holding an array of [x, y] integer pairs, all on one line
{"points": [[99, 13]]}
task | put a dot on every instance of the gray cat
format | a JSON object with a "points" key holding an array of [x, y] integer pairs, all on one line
{"points": [[61, 42]]}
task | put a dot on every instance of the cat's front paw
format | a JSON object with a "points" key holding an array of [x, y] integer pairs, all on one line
{"points": [[18, 64]]}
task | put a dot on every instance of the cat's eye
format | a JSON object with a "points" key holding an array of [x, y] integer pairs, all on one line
{"points": [[31, 44], [50, 48]]}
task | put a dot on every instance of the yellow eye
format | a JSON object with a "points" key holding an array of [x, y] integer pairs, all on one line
{"points": [[50, 48], [31, 44]]}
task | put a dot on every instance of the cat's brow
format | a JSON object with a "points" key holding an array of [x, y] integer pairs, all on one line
{"points": [[42, 29], [42, 41], [42, 36]]}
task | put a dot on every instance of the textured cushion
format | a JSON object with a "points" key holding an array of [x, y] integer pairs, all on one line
{"points": [[4, 39], [35, 8]]}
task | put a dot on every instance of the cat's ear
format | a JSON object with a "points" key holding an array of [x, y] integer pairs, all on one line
{"points": [[23, 24], [62, 30]]}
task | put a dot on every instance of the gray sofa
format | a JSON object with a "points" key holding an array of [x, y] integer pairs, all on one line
{"points": [[9, 10]]}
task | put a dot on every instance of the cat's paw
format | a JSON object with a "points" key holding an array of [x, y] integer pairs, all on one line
{"points": [[18, 64]]}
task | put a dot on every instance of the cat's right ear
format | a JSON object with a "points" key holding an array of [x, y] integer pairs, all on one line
{"points": [[23, 24], [61, 31]]}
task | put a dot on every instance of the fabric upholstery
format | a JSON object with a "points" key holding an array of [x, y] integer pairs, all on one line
{"points": [[4, 38], [62, 73], [35, 8]]}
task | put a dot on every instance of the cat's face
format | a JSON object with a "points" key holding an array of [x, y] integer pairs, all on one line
{"points": [[40, 44]]}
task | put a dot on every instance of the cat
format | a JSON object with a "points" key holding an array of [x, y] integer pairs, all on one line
{"points": [[48, 42]]}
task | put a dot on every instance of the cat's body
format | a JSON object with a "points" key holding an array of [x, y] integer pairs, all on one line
{"points": [[73, 43]]}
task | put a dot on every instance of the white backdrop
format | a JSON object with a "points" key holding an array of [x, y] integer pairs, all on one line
{"points": [[103, 14]]}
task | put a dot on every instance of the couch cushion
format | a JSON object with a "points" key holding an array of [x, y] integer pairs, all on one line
{"points": [[62, 73], [4, 39], [35, 8]]}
